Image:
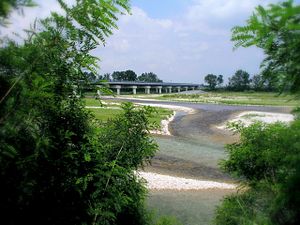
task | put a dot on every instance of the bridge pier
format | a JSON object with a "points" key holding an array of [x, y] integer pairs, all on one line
{"points": [[158, 89], [133, 89], [118, 87], [147, 89]]}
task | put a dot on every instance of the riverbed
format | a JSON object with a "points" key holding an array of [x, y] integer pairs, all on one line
{"points": [[193, 151]]}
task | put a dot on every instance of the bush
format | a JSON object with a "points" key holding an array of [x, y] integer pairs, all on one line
{"points": [[267, 159]]}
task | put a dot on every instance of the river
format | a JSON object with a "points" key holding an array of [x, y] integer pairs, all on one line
{"points": [[194, 151]]}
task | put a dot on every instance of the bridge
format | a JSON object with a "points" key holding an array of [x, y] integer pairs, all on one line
{"points": [[158, 88]]}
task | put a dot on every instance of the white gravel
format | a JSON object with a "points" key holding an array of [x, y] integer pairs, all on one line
{"points": [[164, 126], [165, 182], [249, 117], [164, 130], [172, 107]]}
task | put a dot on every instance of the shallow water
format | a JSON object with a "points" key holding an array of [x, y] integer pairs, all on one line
{"points": [[188, 158], [188, 207], [194, 151], [208, 154]]}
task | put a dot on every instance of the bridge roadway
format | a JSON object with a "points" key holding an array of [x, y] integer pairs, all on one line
{"points": [[158, 87]]}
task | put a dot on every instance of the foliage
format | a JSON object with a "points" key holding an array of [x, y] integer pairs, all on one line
{"points": [[257, 82], [127, 75], [105, 114], [220, 80], [275, 29], [7, 5], [105, 77], [211, 80], [149, 77], [267, 158], [58, 165], [240, 81]]}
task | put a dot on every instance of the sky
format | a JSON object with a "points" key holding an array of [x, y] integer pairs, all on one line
{"points": [[179, 40]]}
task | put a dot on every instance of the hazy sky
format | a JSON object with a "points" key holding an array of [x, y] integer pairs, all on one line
{"points": [[179, 40]]}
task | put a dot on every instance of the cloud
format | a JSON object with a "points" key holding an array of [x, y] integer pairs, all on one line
{"points": [[180, 49], [186, 48], [24, 18]]}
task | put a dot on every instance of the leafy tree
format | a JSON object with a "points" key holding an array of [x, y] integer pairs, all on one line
{"points": [[149, 77], [211, 80], [58, 164], [275, 29], [90, 77], [267, 159], [127, 75], [267, 156], [105, 76], [220, 80], [7, 5], [257, 82], [240, 81]]}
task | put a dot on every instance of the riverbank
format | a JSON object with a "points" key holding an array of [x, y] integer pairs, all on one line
{"points": [[249, 117], [155, 181]]}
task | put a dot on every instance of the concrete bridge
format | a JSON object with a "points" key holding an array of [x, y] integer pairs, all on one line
{"points": [[158, 88]]}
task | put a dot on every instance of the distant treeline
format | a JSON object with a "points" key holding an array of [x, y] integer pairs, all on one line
{"points": [[127, 75], [241, 81]]}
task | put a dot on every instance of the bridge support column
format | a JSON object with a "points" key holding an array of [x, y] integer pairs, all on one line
{"points": [[134, 90], [178, 89], [98, 91], [193, 88], [119, 91], [186, 88], [158, 89], [170, 89], [147, 89], [118, 87]]}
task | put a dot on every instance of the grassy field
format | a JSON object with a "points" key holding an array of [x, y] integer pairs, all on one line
{"points": [[239, 98], [111, 109]]}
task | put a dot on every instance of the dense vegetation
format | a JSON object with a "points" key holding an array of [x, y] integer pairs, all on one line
{"points": [[267, 157], [58, 164], [130, 75], [6, 6], [276, 31], [241, 81]]}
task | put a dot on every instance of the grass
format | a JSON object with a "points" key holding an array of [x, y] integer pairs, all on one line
{"points": [[235, 98], [106, 112], [96, 102]]}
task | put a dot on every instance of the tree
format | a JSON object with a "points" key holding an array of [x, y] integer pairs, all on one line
{"points": [[127, 75], [220, 80], [58, 164], [105, 76], [276, 30], [258, 83], [240, 81], [149, 77], [211, 80], [267, 156], [267, 160], [7, 5]]}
